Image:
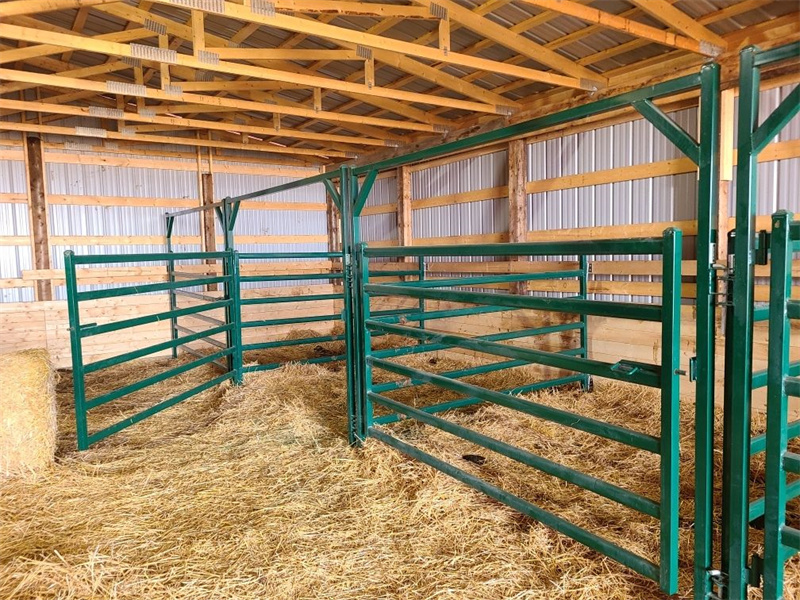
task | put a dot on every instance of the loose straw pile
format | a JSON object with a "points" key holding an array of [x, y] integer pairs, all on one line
{"points": [[253, 493]]}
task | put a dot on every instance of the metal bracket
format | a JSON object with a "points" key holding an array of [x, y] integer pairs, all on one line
{"points": [[693, 368], [762, 248], [718, 580]]}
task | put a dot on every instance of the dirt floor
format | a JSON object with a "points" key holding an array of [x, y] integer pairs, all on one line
{"points": [[252, 492]]}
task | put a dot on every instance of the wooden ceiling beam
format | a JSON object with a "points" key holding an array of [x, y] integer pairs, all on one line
{"points": [[198, 99], [185, 32], [152, 54], [629, 26], [518, 43], [677, 19], [103, 113], [285, 54], [171, 140], [341, 34], [30, 7], [344, 7]]}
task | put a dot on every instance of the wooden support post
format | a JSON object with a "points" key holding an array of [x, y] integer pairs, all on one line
{"points": [[517, 201], [404, 231], [37, 205], [725, 171], [209, 229], [334, 237]]}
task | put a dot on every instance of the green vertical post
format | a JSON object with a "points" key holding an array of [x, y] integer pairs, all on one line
{"points": [[707, 236], [173, 300], [670, 409], [421, 277], [225, 218], [777, 405], [583, 292], [739, 369], [78, 383], [349, 314], [366, 408], [236, 316]]}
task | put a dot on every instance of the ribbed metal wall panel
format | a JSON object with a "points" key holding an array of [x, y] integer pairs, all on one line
{"points": [[14, 222], [381, 227], [470, 174]]}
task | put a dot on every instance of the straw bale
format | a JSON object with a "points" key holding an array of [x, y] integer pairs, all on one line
{"points": [[27, 413], [252, 492]]}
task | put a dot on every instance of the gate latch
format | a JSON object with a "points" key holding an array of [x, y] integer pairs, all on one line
{"points": [[693, 368]]}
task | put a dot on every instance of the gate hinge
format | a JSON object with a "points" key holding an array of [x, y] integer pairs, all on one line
{"points": [[719, 581], [762, 248]]}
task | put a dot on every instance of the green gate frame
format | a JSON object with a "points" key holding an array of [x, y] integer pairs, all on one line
{"points": [[664, 376], [704, 152], [231, 351], [741, 314], [780, 541], [355, 185]]}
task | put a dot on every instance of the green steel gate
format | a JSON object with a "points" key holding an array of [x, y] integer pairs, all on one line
{"points": [[79, 331], [780, 540], [664, 377], [749, 248]]}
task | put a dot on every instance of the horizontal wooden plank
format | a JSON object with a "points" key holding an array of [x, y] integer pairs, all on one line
{"points": [[155, 240], [6, 198], [383, 209], [612, 232], [461, 198]]}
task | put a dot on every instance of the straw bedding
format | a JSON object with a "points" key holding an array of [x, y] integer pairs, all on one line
{"points": [[252, 492], [27, 413]]}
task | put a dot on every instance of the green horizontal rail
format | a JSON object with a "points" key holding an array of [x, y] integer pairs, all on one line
{"points": [[649, 376], [487, 279], [197, 295], [394, 273], [445, 314], [292, 277], [207, 319], [196, 209], [760, 377], [779, 54], [793, 309], [593, 541], [284, 299], [133, 355], [104, 433], [105, 259], [89, 330], [790, 537], [573, 476], [283, 255], [195, 353], [153, 379], [757, 506], [291, 185], [298, 342], [652, 92], [791, 386], [651, 245], [542, 411], [305, 361], [492, 337], [291, 321], [791, 462], [457, 374], [464, 402], [759, 442], [598, 308], [760, 313], [203, 338], [130, 290]]}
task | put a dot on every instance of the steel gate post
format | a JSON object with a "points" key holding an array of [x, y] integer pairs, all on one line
{"points": [[173, 301], [707, 236], [775, 497], [670, 410], [739, 369], [76, 348]]}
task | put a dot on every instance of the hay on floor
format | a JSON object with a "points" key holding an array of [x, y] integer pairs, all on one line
{"points": [[252, 492], [27, 413]]}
